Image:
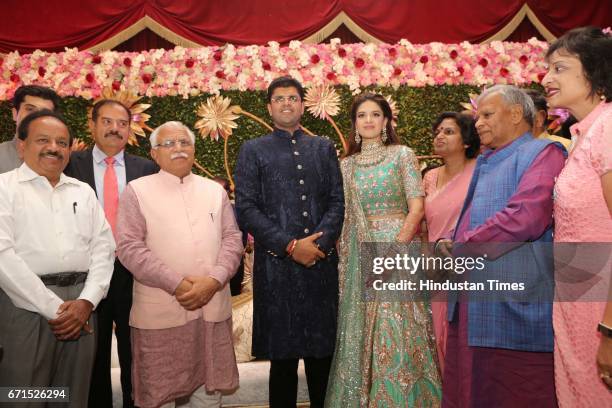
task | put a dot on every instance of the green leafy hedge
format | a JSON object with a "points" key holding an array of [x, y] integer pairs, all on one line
{"points": [[418, 107]]}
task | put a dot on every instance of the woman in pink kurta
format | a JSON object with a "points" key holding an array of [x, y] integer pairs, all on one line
{"points": [[457, 142], [580, 80]]}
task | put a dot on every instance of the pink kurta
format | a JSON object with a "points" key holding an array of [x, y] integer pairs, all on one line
{"points": [[581, 215], [170, 228], [442, 208]]}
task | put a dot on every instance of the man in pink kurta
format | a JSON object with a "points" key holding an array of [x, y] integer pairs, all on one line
{"points": [[178, 236]]}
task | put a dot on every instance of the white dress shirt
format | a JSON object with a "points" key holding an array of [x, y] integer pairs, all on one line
{"points": [[99, 166], [45, 230]]}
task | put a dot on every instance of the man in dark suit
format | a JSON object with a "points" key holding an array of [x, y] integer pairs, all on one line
{"points": [[289, 197], [108, 169]]}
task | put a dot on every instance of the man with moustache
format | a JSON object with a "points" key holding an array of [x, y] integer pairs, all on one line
{"points": [[27, 99], [56, 261], [107, 168], [289, 197], [177, 234], [499, 352]]}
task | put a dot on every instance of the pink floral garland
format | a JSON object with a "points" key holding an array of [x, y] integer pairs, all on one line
{"points": [[190, 71]]}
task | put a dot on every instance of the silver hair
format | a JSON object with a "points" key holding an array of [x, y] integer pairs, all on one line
{"points": [[512, 95], [172, 123]]}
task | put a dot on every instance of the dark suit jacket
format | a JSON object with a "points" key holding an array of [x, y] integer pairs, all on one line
{"points": [[81, 168]]}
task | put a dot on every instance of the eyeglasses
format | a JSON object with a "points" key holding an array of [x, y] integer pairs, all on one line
{"points": [[283, 99], [171, 143]]}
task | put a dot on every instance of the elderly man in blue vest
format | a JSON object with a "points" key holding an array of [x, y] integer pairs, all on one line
{"points": [[499, 351]]}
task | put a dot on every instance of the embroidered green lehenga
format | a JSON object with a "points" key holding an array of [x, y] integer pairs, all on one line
{"points": [[385, 351]]}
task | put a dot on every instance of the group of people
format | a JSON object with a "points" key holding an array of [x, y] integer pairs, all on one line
{"points": [[99, 238]]}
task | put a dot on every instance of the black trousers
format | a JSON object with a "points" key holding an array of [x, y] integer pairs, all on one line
{"points": [[284, 381], [115, 308]]}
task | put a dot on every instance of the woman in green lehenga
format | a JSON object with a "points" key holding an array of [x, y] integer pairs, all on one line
{"points": [[385, 351]]}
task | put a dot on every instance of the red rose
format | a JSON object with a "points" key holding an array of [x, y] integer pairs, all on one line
{"points": [[341, 52], [397, 71], [15, 78], [331, 76], [1, 61], [424, 59], [541, 76], [96, 59], [454, 54], [461, 70], [220, 74], [523, 59], [116, 85], [504, 72], [392, 52], [483, 62], [359, 62], [89, 78], [315, 59], [266, 66], [189, 63], [127, 62], [147, 78], [42, 71], [218, 55]]}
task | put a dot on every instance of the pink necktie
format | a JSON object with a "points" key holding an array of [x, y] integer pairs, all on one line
{"points": [[111, 193]]}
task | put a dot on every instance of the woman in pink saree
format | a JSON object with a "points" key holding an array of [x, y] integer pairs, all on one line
{"points": [[457, 142]]}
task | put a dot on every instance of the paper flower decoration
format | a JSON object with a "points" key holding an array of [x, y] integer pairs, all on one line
{"points": [[217, 117], [78, 145], [129, 100], [394, 110], [322, 101], [471, 106], [557, 117]]}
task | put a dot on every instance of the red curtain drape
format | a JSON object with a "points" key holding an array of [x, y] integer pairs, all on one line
{"points": [[52, 25]]}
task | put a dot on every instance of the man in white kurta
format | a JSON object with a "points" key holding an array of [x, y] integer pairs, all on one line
{"points": [[56, 262], [177, 234]]}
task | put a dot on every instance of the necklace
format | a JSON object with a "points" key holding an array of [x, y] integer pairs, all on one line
{"points": [[371, 154]]}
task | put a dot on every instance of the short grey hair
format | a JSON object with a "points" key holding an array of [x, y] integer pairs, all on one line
{"points": [[172, 123], [512, 95]]}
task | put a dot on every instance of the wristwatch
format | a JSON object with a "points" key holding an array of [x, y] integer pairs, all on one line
{"points": [[605, 330]]}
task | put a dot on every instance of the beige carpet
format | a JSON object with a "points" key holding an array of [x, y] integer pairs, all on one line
{"points": [[253, 390]]}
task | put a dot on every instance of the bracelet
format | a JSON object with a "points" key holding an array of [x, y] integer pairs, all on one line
{"points": [[604, 330], [292, 246], [436, 248]]}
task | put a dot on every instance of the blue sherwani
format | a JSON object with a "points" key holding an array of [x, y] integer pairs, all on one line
{"points": [[289, 186]]}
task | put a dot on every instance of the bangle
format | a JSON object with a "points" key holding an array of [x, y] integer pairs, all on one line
{"points": [[604, 330], [291, 247]]}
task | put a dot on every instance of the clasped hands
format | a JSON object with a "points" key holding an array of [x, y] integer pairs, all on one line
{"points": [[72, 317], [306, 251], [195, 291]]}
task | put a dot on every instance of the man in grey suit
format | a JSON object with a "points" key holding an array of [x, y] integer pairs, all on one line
{"points": [[27, 99], [107, 167]]}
